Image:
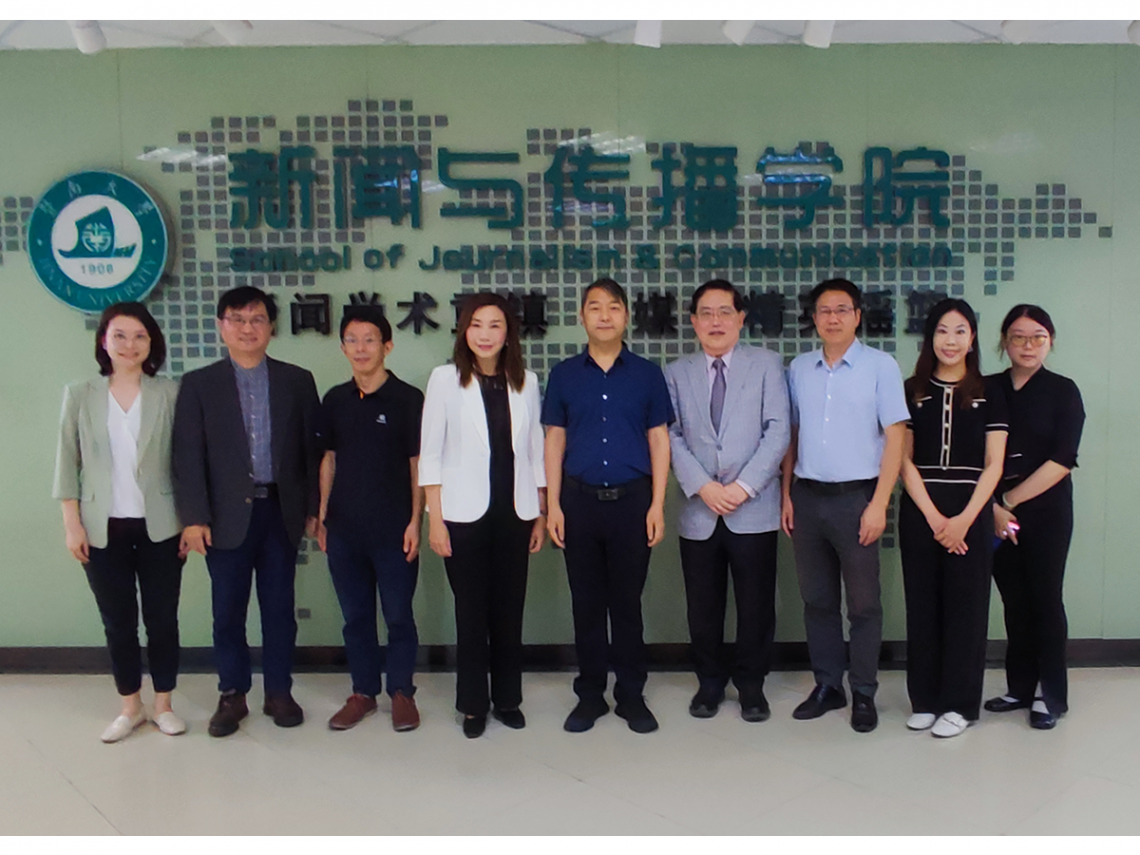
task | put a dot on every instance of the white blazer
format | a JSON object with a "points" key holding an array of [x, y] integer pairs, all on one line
{"points": [[455, 449]]}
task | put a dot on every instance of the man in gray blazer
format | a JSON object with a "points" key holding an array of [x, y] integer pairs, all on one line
{"points": [[731, 432], [246, 463]]}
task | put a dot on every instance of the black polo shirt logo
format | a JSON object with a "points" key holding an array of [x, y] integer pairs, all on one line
{"points": [[381, 419]]}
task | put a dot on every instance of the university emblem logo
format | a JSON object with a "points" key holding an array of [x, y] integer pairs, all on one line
{"points": [[97, 238]]}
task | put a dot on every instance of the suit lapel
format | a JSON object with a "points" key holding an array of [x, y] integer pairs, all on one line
{"points": [[699, 384], [278, 410], [148, 418], [476, 413], [737, 385], [228, 393], [518, 414], [97, 392]]}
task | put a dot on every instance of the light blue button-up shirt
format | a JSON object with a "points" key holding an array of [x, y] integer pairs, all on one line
{"points": [[841, 412]]}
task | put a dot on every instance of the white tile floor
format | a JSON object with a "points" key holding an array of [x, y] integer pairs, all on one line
{"points": [[719, 776]]}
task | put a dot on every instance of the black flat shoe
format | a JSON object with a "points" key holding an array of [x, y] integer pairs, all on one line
{"points": [[821, 700], [473, 726], [1003, 704], [583, 716], [514, 719], [1042, 720], [754, 707], [705, 703], [864, 716]]}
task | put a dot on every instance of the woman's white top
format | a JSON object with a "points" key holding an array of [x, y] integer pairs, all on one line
{"points": [[123, 429]]}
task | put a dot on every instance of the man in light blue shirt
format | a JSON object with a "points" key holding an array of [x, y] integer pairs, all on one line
{"points": [[848, 415]]}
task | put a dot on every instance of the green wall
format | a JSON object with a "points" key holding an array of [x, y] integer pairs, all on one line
{"points": [[1022, 116]]}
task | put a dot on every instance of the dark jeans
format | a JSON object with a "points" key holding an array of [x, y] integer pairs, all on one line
{"points": [[359, 571], [947, 614], [607, 562], [487, 571], [1030, 577], [828, 554], [268, 551], [112, 571], [705, 564]]}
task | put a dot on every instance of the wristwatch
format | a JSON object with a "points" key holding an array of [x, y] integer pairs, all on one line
{"points": [[1005, 502]]}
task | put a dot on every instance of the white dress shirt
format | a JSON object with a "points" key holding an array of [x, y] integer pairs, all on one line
{"points": [[123, 430]]}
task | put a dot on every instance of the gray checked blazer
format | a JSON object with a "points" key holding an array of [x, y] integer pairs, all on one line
{"points": [[754, 434]]}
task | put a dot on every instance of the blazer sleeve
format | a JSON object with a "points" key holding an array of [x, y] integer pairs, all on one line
{"points": [[776, 431], [310, 413], [537, 438], [191, 482], [687, 469], [65, 484], [433, 433]]}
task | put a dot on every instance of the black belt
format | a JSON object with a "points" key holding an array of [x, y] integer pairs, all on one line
{"points": [[265, 491], [608, 494], [836, 488]]}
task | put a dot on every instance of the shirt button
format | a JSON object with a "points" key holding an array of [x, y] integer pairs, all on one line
{"points": [[604, 439], [603, 418], [249, 501], [605, 463], [605, 397]]}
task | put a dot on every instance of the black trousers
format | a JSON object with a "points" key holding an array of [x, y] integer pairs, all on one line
{"points": [[828, 554], [947, 613], [1030, 577], [487, 571], [112, 572], [705, 564], [607, 562]]}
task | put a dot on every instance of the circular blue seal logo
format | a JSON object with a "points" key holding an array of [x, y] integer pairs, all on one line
{"points": [[97, 238]]}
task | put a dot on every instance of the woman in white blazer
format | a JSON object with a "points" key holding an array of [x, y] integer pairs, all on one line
{"points": [[112, 477], [481, 467]]}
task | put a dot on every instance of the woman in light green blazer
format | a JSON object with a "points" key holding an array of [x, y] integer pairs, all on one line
{"points": [[113, 478]]}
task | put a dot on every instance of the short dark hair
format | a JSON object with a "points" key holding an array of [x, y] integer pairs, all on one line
{"points": [[845, 285], [367, 314], [246, 295], [138, 311], [610, 287], [717, 285], [1034, 313]]}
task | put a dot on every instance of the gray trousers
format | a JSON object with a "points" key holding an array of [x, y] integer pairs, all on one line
{"points": [[826, 540]]}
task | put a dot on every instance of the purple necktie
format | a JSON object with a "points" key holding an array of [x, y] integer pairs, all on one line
{"points": [[716, 402]]}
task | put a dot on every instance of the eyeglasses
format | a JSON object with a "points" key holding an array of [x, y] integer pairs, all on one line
{"points": [[257, 321], [1037, 340], [725, 313], [838, 311]]}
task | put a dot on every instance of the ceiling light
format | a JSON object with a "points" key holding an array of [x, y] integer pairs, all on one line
{"points": [[817, 34], [1016, 32], [647, 34], [234, 32], [737, 31], [88, 36]]}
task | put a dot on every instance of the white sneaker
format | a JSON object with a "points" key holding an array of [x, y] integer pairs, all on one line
{"points": [[123, 726], [170, 724], [949, 724], [921, 721]]}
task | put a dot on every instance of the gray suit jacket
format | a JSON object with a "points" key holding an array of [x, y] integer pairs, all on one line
{"points": [[754, 434], [83, 456]]}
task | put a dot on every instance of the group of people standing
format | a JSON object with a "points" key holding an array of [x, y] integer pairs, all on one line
{"points": [[241, 459]]}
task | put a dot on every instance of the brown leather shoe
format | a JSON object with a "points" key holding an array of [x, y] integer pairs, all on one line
{"points": [[231, 710], [354, 709], [284, 711], [405, 716]]}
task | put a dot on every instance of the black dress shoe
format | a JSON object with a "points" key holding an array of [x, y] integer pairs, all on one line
{"points": [[474, 725], [231, 710], [1043, 720], [1001, 704], [822, 699], [636, 715], [284, 711], [705, 703], [754, 706], [514, 719], [583, 716], [864, 717]]}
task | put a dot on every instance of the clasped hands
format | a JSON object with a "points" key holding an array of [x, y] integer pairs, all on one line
{"points": [[950, 532], [723, 499]]}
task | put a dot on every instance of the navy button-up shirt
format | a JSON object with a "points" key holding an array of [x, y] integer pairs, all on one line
{"points": [[607, 415]]}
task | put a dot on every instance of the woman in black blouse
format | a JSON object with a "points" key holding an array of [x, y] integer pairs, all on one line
{"points": [[481, 467], [1033, 517], [953, 462]]}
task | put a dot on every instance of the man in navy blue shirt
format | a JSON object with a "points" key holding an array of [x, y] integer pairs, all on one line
{"points": [[607, 414]]}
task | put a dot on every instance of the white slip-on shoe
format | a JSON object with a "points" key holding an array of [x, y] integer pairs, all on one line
{"points": [[170, 724], [123, 726], [949, 724], [921, 721]]}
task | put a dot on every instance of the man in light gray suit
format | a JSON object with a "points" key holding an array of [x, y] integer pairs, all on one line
{"points": [[731, 432]]}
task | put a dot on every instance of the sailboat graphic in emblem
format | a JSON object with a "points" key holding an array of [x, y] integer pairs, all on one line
{"points": [[97, 238]]}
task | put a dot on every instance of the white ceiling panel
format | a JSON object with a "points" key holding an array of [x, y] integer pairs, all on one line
{"points": [[40, 35], [590, 29], [896, 32], [491, 33]]}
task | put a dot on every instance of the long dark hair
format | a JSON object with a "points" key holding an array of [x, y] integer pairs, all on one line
{"points": [[510, 357], [972, 385], [157, 355]]}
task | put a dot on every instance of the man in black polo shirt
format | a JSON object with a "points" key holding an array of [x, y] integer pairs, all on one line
{"points": [[371, 510], [607, 414]]}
